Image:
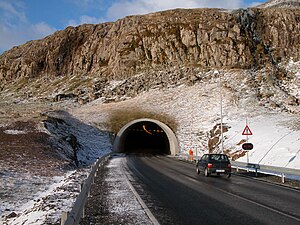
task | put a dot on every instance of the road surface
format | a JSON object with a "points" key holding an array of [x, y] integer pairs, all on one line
{"points": [[175, 194]]}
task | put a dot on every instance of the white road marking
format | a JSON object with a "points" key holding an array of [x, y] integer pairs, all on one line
{"points": [[140, 200], [251, 201]]}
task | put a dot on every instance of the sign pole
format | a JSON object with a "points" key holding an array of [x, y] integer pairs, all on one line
{"points": [[247, 141], [221, 113], [247, 146]]}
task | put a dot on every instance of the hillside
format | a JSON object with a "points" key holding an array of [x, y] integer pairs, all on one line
{"points": [[79, 62], [64, 97], [255, 51]]}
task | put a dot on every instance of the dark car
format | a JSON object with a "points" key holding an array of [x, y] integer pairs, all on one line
{"points": [[214, 164]]}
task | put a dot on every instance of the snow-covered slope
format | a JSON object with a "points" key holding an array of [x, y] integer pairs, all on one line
{"points": [[281, 4], [30, 199], [196, 110]]}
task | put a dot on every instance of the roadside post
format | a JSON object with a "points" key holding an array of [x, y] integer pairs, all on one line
{"points": [[191, 155], [253, 166], [282, 178]]}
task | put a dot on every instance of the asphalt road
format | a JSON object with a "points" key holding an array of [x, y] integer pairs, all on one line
{"points": [[175, 194]]}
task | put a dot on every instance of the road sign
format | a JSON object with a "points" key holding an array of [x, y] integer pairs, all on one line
{"points": [[247, 146], [247, 131]]}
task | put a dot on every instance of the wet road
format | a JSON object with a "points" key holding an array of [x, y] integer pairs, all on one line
{"points": [[175, 194]]}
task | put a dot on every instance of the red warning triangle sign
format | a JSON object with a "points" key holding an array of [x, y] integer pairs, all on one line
{"points": [[247, 131]]}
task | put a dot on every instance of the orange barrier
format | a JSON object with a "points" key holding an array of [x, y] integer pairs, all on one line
{"points": [[191, 155]]}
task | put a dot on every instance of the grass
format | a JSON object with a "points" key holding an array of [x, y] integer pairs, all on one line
{"points": [[120, 117]]}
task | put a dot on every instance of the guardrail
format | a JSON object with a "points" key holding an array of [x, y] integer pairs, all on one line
{"points": [[257, 168], [276, 171], [77, 212]]}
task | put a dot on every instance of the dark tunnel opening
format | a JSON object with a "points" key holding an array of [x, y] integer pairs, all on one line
{"points": [[146, 137]]}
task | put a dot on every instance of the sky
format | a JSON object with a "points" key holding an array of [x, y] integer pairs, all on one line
{"points": [[25, 20]]}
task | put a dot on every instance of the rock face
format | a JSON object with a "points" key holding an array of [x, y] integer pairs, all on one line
{"points": [[200, 37], [149, 51]]}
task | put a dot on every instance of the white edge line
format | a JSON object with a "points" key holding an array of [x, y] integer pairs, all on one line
{"points": [[253, 202], [140, 200]]}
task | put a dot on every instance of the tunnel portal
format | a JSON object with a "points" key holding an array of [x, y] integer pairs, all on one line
{"points": [[146, 136]]}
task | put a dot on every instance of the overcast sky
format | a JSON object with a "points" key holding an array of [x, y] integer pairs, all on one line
{"points": [[25, 20]]}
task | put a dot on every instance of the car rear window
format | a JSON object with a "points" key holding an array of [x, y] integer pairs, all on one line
{"points": [[218, 158]]}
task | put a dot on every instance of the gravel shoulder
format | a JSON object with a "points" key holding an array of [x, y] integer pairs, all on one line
{"points": [[111, 200]]}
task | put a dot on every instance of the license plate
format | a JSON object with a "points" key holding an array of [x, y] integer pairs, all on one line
{"points": [[220, 171]]}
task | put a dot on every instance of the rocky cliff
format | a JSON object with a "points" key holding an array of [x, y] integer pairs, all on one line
{"points": [[198, 39]]}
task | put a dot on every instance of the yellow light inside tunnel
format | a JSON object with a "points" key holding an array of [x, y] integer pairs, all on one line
{"points": [[144, 127]]}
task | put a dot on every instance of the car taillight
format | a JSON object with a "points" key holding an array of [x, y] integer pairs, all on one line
{"points": [[209, 165], [229, 166]]}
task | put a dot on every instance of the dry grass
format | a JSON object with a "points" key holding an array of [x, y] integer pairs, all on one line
{"points": [[29, 151], [120, 117]]}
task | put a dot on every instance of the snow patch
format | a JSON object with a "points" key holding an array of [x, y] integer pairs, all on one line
{"points": [[278, 2], [15, 132]]}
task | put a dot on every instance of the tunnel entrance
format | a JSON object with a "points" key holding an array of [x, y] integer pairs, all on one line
{"points": [[146, 136]]}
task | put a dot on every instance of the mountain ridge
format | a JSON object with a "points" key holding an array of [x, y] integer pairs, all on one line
{"points": [[204, 38], [118, 60]]}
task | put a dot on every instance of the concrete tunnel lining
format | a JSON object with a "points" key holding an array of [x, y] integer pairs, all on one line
{"points": [[119, 142]]}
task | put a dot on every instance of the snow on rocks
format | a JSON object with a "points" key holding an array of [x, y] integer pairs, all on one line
{"points": [[14, 132], [48, 205], [281, 3], [40, 199], [196, 110]]}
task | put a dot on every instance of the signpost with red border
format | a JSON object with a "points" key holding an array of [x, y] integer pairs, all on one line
{"points": [[247, 131], [247, 146]]}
